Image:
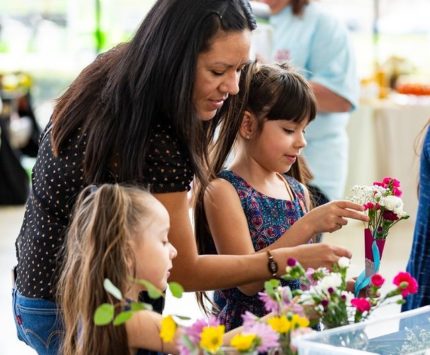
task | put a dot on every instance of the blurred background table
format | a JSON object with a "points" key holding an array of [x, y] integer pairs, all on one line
{"points": [[385, 141]]}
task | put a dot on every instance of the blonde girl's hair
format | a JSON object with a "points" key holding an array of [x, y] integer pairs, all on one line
{"points": [[98, 247]]}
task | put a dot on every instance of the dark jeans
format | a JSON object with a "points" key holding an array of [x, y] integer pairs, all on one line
{"points": [[38, 323]]}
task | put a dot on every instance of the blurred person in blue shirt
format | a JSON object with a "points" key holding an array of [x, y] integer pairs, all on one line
{"points": [[317, 43], [419, 259]]}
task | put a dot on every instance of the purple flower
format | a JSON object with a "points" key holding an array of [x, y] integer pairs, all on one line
{"points": [[196, 328], [269, 304], [291, 262], [311, 277], [268, 337], [324, 303], [183, 350], [249, 319]]}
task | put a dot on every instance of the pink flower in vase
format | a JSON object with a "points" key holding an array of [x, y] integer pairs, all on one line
{"points": [[405, 282], [362, 304], [377, 280]]}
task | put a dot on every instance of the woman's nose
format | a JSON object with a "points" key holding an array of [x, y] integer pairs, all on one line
{"points": [[230, 84]]}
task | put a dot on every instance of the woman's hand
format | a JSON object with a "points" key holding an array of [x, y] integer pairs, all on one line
{"points": [[333, 216]]}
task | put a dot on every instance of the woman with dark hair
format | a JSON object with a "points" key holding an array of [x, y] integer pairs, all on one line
{"points": [[144, 113]]}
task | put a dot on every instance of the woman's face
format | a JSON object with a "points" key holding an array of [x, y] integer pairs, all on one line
{"points": [[218, 71], [153, 252]]}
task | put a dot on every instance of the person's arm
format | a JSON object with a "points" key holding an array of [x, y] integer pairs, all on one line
{"points": [[229, 229], [328, 100], [209, 272], [143, 332], [206, 272]]}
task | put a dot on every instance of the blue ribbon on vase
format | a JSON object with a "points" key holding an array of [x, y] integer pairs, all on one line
{"points": [[363, 280]]}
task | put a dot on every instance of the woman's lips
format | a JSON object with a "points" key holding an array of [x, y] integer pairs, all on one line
{"points": [[216, 104]]}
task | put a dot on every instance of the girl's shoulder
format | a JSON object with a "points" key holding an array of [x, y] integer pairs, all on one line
{"points": [[295, 185], [233, 178]]}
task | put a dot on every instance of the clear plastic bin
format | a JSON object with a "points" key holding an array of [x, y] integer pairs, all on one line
{"points": [[402, 333]]}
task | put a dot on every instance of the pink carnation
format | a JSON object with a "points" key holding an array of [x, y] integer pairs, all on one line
{"points": [[377, 280], [368, 206], [406, 283], [362, 304], [397, 192]]}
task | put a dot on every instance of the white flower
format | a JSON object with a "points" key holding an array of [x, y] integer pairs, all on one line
{"points": [[362, 194], [344, 262], [392, 203], [334, 280], [349, 296], [306, 297]]}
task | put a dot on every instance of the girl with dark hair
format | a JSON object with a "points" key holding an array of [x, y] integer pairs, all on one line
{"points": [[268, 209]]}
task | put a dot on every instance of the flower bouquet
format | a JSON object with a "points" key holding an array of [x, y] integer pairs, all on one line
{"points": [[325, 298], [385, 208], [270, 334], [207, 336]]}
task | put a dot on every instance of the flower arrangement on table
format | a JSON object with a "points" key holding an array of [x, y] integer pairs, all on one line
{"points": [[385, 209], [269, 334], [325, 298]]}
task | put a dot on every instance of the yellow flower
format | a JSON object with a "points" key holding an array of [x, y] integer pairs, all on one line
{"points": [[299, 322], [211, 338], [168, 329], [243, 342], [280, 324]]}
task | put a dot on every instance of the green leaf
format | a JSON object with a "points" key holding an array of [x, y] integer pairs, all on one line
{"points": [[140, 306], [104, 314], [153, 292], [271, 286], [112, 289], [181, 317], [123, 317], [176, 289]]}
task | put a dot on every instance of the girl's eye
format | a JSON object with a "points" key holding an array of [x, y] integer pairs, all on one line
{"points": [[289, 131], [217, 73]]}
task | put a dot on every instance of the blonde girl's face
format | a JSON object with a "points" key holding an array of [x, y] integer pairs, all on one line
{"points": [[218, 72], [153, 252], [278, 145]]}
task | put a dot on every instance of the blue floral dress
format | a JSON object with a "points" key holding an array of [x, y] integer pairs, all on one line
{"points": [[268, 218]]}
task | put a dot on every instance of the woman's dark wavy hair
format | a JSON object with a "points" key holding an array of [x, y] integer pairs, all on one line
{"points": [[270, 92], [118, 98]]}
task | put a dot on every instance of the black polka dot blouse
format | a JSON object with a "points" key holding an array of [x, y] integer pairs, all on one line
{"points": [[57, 181]]}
